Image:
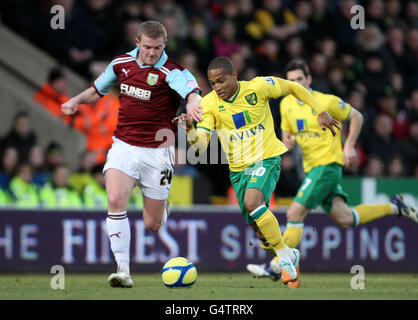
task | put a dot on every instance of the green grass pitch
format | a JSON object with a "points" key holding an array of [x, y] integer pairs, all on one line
{"points": [[216, 286]]}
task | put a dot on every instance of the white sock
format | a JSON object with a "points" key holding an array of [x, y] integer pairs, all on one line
{"points": [[394, 207], [119, 233], [284, 254], [165, 216]]}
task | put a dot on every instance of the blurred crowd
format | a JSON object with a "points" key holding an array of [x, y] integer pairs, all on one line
{"points": [[375, 69]]}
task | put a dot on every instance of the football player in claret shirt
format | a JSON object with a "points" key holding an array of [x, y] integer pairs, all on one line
{"points": [[323, 158], [151, 86], [240, 112]]}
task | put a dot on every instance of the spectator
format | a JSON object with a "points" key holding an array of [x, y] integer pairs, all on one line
{"points": [[275, 21], [189, 60], [244, 18], [396, 167], [199, 41], [37, 162], [24, 192], [342, 31], [374, 77], [131, 10], [75, 45], [375, 13], [57, 194], [21, 136], [9, 163], [393, 10], [224, 41], [6, 199], [294, 48], [336, 79], [149, 11], [268, 61], [356, 99], [320, 23], [303, 10], [328, 47], [388, 104], [175, 42], [318, 66], [54, 155], [99, 13], [411, 13], [238, 58], [369, 39], [374, 167], [83, 176], [130, 28], [395, 46], [411, 60], [410, 147], [54, 93], [98, 123], [169, 8], [412, 106], [381, 142], [94, 193]]}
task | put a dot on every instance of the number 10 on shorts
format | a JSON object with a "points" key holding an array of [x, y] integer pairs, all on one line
{"points": [[259, 172]]}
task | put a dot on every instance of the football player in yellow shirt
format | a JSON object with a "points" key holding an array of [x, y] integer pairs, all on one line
{"points": [[323, 158], [240, 112]]}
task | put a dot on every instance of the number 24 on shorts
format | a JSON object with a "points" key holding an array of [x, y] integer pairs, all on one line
{"points": [[167, 176]]}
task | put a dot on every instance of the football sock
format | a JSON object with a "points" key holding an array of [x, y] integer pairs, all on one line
{"points": [[269, 227], [293, 234], [165, 216], [119, 232], [364, 213], [267, 246]]}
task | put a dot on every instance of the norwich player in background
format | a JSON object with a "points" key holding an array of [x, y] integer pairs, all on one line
{"points": [[323, 158], [240, 112]]}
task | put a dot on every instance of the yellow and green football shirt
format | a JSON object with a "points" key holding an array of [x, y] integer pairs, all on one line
{"points": [[318, 147], [244, 123]]}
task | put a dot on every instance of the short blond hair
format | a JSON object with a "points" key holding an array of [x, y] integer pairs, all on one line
{"points": [[152, 29]]}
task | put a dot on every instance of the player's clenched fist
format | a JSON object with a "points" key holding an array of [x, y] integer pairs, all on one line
{"points": [[70, 107], [325, 120]]}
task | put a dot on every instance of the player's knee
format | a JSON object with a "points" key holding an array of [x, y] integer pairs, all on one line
{"points": [[344, 220], [252, 203], [293, 216], [153, 226], [116, 201], [345, 224]]}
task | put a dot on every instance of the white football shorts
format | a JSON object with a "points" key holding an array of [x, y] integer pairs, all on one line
{"points": [[151, 167]]}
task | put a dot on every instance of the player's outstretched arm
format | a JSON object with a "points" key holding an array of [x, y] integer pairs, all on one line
{"points": [[356, 123], [325, 120], [88, 96]]}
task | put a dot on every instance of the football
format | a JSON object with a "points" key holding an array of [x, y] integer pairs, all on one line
{"points": [[179, 272]]}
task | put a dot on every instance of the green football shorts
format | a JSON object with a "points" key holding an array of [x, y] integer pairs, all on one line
{"points": [[320, 186], [262, 175]]}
